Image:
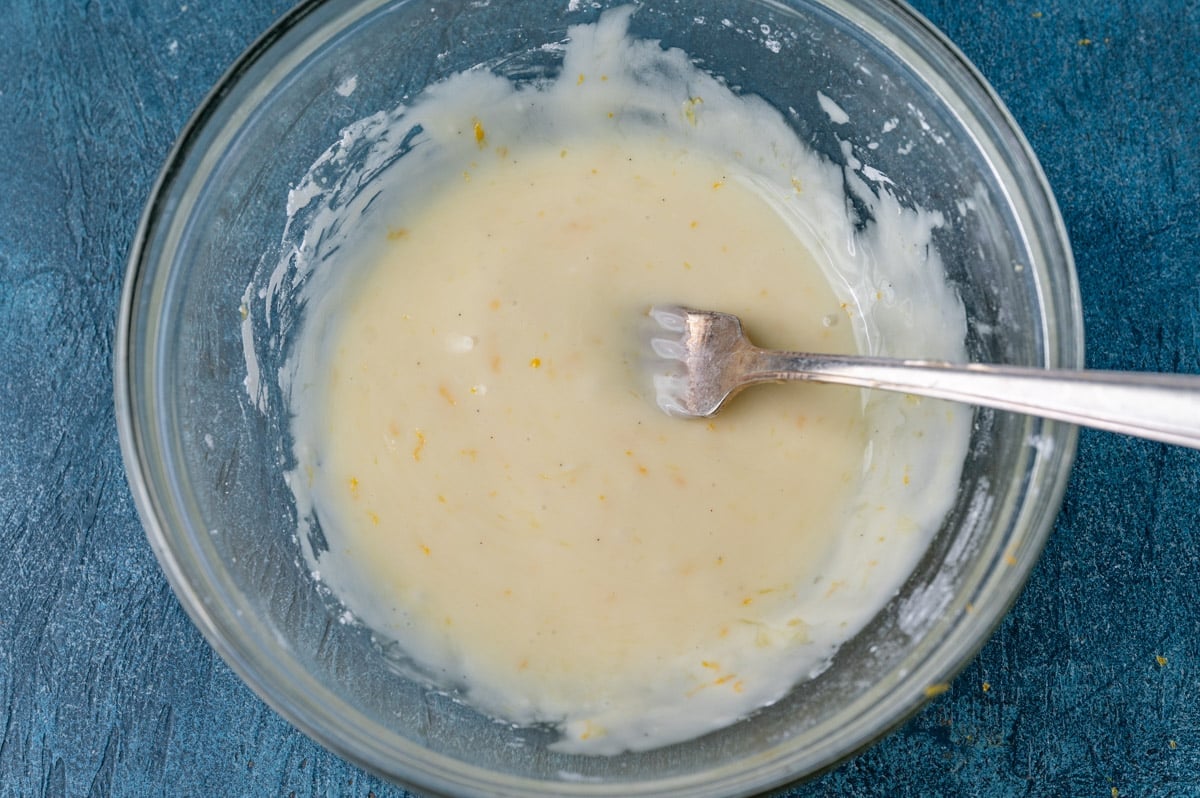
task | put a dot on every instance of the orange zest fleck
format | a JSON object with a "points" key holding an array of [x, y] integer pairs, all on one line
{"points": [[480, 133], [420, 447]]}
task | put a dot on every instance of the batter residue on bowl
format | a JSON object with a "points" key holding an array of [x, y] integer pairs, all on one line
{"points": [[497, 491]]}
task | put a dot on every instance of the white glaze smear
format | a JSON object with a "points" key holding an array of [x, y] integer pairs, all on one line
{"points": [[473, 429]]}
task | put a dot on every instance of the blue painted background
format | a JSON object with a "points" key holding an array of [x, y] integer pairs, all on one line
{"points": [[1090, 687]]}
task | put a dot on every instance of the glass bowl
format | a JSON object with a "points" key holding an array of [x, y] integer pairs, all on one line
{"points": [[207, 469]]}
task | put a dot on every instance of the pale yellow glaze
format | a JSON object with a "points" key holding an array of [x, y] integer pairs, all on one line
{"points": [[472, 420]]}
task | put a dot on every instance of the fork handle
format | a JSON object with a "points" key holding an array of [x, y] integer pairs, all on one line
{"points": [[1161, 407]]}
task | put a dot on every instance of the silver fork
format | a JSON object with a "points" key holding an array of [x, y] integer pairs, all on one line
{"points": [[710, 359]]}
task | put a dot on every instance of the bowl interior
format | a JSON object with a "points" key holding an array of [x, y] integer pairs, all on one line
{"points": [[207, 465]]}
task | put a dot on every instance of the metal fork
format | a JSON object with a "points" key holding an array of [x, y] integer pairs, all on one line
{"points": [[718, 360]]}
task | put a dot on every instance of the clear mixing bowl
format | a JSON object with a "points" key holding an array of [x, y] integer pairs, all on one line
{"points": [[207, 469]]}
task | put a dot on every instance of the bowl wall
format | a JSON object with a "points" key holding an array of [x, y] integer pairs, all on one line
{"points": [[207, 467]]}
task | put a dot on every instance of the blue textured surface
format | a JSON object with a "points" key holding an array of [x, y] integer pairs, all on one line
{"points": [[1090, 686]]}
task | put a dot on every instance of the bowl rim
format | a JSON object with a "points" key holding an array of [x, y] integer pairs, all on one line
{"points": [[892, 22]]}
